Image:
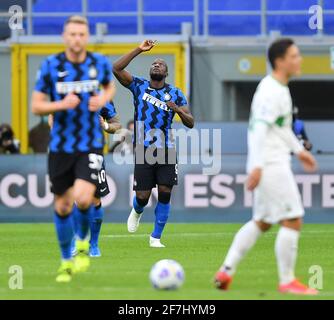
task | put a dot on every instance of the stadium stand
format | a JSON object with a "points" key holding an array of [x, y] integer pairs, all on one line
{"points": [[221, 20]]}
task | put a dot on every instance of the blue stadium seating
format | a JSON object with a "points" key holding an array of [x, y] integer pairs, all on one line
{"points": [[218, 25]]}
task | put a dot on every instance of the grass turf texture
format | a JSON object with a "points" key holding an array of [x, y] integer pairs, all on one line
{"points": [[122, 271]]}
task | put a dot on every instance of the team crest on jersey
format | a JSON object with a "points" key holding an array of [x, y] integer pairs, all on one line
{"points": [[167, 97], [92, 72]]}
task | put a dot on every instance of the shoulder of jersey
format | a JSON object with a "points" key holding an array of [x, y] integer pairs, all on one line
{"points": [[172, 88], [270, 87], [141, 80], [54, 58], [97, 56]]}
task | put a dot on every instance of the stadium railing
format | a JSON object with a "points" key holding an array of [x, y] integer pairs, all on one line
{"points": [[208, 17]]}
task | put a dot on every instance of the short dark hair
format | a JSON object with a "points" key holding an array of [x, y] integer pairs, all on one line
{"points": [[76, 19], [278, 49]]}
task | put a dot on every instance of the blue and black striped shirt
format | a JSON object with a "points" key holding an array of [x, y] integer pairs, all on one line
{"points": [[153, 119], [76, 130]]}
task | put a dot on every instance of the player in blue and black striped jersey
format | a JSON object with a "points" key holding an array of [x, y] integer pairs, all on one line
{"points": [[155, 105], [110, 123], [73, 80]]}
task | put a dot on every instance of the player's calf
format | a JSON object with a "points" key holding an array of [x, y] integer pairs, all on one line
{"points": [[136, 213], [161, 217], [83, 197], [95, 228]]}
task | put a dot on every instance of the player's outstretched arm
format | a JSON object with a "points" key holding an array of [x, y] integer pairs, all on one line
{"points": [[123, 76], [41, 106], [184, 113]]}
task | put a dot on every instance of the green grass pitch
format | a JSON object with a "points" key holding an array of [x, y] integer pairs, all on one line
{"points": [[122, 271]]}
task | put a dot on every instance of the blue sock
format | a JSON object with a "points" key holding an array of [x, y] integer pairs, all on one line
{"points": [[75, 214], [65, 233], [136, 206], [161, 217], [83, 217], [95, 225]]}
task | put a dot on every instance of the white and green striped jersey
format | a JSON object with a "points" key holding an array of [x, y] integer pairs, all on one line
{"points": [[270, 135]]}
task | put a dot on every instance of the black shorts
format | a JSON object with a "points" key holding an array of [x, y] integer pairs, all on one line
{"points": [[102, 189], [65, 168], [147, 176]]}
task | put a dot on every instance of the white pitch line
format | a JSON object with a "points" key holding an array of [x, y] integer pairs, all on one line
{"points": [[204, 234], [145, 235]]}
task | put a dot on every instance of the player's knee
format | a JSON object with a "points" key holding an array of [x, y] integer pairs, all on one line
{"points": [[97, 202], [142, 201], [163, 188], [295, 224], [164, 197], [63, 208], [83, 202], [263, 226]]}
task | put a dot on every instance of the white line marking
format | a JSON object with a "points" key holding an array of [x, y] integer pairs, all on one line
{"points": [[205, 234]]}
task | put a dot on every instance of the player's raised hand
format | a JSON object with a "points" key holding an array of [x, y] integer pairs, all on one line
{"points": [[147, 45], [308, 161], [95, 103], [71, 101], [104, 125], [254, 179]]}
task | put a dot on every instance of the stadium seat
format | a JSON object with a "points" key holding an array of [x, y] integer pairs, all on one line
{"points": [[218, 25]]}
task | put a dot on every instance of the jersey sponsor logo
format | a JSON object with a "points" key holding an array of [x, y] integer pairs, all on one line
{"points": [[156, 102], [77, 86]]}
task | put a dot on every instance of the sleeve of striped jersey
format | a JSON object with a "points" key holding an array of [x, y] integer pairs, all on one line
{"points": [[136, 81], [43, 81], [181, 100], [108, 111], [108, 76]]}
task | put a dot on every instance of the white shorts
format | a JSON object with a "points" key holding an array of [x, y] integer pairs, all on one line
{"points": [[277, 196]]}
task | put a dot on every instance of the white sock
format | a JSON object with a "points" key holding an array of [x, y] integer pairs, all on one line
{"points": [[243, 241], [286, 248]]}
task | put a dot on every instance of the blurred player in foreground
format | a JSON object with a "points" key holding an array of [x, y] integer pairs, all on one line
{"points": [[276, 195], [110, 123], [73, 79], [155, 104]]}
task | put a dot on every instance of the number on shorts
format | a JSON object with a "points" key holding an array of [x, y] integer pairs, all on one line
{"points": [[102, 176], [95, 161]]}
